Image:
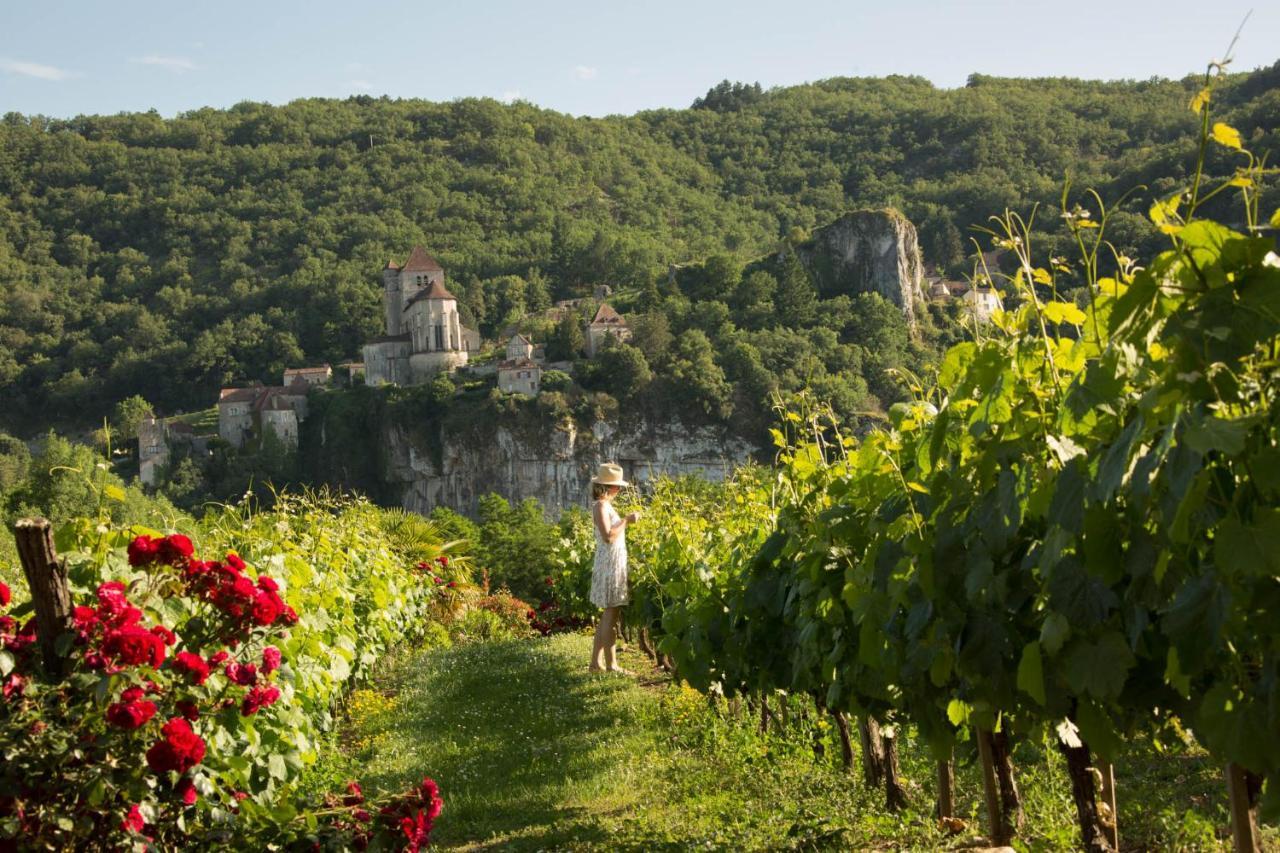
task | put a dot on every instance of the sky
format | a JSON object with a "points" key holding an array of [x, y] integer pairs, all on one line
{"points": [[61, 58]]}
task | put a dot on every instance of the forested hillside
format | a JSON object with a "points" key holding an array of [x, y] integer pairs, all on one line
{"points": [[140, 255]]}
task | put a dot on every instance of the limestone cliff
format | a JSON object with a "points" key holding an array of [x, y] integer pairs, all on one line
{"points": [[867, 251], [421, 459], [555, 469]]}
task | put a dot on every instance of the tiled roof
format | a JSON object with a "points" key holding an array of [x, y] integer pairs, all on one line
{"points": [[420, 261], [522, 339], [391, 265], [324, 368], [607, 316], [519, 364], [239, 395], [436, 290]]}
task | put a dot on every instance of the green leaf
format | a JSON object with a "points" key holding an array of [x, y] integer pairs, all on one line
{"points": [[1208, 433], [1063, 312], [1099, 669], [114, 492], [1275, 218], [958, 712], [1225, 134], [1054, 632], [1174, 676], [276, 767], [1031, 672], [1252, 549], [6, 662], [1097, 730]]}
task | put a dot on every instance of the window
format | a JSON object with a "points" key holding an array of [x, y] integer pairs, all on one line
{"points": [[439, 337]]}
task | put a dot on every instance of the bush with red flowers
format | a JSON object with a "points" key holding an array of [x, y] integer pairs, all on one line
{"points": [[192, 693]]}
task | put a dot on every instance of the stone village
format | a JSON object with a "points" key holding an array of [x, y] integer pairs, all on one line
{"points": [[424, 336]]}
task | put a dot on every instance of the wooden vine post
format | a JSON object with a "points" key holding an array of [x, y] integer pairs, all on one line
{"points": [[1111, 823], [1243, 788], [946, 787], [1000, 834], [47, 579]]}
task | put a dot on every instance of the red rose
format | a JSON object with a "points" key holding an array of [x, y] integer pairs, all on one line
{"points": [[192, 666], [290, 616], [86, 620], [267, 584], [354, 796], [165, 634], [417, 832], [257, 698], [451, 584], [267, 608], [234, 561], [244, 674], [188, 709], [130, 714], [14, 684], [362, 815], [180, 749], [133, 821], [132, 645], [175, 549], [429, 792], [218, 658], [143, 551], [132, 694], [111, 599], [270, 659], [5, 595], [186, 789], [443, 560]]}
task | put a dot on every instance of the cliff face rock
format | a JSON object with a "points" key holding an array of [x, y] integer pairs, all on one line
{"points": [[556, 469], [867, 251]]}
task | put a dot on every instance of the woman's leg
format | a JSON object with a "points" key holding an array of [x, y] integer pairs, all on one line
{"points": [[604, 633], [611, 639]]}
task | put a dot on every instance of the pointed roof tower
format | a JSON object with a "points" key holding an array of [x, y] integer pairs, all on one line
{"points": [[420, 261], [606, 316]]}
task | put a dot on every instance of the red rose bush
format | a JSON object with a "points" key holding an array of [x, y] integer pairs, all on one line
{"points": [[190, 694]]}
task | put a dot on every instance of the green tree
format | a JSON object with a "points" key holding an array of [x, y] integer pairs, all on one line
{"points": [[796, 298], [129, 412], [697, 379], [566, 340]]}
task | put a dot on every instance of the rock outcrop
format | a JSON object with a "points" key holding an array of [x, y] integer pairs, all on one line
{"points": [[867, 251], [422, 470]]}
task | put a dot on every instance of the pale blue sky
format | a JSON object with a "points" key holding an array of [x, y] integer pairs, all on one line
{"points": [[62, 58]]}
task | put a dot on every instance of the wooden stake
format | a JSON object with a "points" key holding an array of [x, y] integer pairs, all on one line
{"points": [[47, 579], [1089, 816], [1111, 823], [1243, 788], [895, 795], [1000, 834], [872, 751], [846, 742], [946, 788]]}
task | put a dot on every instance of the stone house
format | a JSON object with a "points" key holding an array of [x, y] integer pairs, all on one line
{"points": [[606, 323], [156, 437], [519, 347], [520, 376], [321, 375], [981, 302], [244, 413], [424, 333]]}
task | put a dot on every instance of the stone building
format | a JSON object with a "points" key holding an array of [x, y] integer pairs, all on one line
{"points": [[243, 413], [156, 438], [321, 375], [424, 333], [606, 323], [520, 376], [519, 347], [981, 302]]}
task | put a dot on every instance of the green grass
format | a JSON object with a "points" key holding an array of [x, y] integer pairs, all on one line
{"points": [[203, 421], [533, 753]]}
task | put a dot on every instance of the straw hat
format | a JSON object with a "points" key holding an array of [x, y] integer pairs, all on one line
{"points": [[609, 475]]}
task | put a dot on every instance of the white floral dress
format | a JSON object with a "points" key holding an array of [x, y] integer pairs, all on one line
{"points": [[609, 573]]}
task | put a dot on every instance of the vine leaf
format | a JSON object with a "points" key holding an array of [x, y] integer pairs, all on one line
{"points": [[1225, 134], [1252, 549], [1100, 668], [1031, 672]]}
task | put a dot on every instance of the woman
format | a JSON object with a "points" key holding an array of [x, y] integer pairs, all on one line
{"points": [[609, 574]]}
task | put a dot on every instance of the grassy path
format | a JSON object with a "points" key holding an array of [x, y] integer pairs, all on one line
{"points": [[533, 753]]}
